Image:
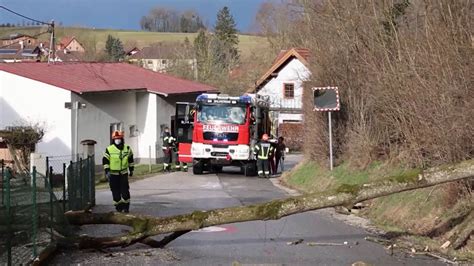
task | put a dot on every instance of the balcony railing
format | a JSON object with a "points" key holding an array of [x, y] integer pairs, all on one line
{"points": [[277, 103]]}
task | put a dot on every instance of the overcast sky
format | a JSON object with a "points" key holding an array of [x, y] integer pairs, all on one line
{"points": [[123, 14]]}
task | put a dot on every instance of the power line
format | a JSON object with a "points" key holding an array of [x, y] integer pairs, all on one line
{"points": [[23, 16]]}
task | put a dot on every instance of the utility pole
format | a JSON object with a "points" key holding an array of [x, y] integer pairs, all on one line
{"points": [[52, 46]]}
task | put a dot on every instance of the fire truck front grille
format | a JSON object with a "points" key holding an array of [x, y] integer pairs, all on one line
{"points": [[220, 154], [221, 136]]}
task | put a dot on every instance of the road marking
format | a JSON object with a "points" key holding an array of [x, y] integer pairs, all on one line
{"points": [[216, 229], [211, 185]]}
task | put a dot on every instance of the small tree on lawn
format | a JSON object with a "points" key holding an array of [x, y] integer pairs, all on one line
{"points": [[21, 142]]}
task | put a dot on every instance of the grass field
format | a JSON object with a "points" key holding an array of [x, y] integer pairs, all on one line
{"points": [[412, 213], [87, 36]]}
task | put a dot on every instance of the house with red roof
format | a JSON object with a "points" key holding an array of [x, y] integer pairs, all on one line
{"points": [[70, 43], [69, 49], [111, 96], [282, 82], [161, 57]]}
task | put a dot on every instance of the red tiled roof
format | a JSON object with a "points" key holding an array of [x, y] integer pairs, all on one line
{"points": [[66, 40], [102, 77], [304, 52], [283, 57], [158, 51]]}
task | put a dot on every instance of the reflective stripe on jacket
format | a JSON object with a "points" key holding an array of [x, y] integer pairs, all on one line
{"points": [[119, 160], [168, 141], [263, 150]]}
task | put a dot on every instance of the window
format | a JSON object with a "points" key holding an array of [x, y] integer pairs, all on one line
{"points": [[289, 90], [164, 61], [221, 113]]}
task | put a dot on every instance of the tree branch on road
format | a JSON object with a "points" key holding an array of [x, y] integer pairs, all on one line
{"points": [[147, 226]]}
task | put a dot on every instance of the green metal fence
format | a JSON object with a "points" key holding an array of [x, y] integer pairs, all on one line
{"points": [[33, 205]]}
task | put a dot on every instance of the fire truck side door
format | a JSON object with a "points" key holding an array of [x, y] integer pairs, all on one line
{"points": [[184, 120]]}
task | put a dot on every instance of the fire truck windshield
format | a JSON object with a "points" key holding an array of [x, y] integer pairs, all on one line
{"points": [[221, 113]]}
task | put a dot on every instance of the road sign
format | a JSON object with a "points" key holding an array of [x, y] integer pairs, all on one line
{"points": [[326, 99]]}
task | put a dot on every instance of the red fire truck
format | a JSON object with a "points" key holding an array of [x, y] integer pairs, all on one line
{"points": [[224, 131]]}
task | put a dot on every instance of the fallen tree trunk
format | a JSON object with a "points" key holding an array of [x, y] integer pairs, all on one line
{"points": [[462, 235], [146, 226]]}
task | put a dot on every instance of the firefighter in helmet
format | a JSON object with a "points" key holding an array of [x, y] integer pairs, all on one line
{"points": [[118, 166], [169, 146], [263, 150]]}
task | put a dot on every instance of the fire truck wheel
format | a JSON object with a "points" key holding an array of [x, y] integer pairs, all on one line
{"points": [[250, 169], [197, 168]]}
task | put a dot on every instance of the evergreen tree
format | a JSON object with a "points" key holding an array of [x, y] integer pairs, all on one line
{"points": [[226, 33], [114, 48], [225, 28]]}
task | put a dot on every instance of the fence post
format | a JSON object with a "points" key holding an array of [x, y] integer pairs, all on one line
{"points": [[93, 180], [90, 176], [35, 214], [9, 230], [51, 213], [47, 173], [64, 187], [81, 191], [71, 187], [3, 182]]}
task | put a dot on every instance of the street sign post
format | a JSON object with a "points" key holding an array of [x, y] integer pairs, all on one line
{"points": [[326, 99]]}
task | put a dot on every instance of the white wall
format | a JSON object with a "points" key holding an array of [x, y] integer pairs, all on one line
{"points": [[294, 72], [161, 65], [24, 100], [103, 109], [282, 118], [147, 124], [165, 110], [145, 110]]}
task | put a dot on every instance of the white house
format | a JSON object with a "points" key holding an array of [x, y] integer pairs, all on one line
{"points": [[162, 57], [115, 95], [283, 84]]}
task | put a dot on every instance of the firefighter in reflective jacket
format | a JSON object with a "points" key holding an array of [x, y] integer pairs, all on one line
{"points": [[169, 146], [118, 166], [262, 151]]}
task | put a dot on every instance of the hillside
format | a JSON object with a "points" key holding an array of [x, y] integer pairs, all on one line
{"points": [[89, 36]]}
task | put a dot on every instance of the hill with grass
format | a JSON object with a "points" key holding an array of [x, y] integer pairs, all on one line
{"points": [[95, 38]]}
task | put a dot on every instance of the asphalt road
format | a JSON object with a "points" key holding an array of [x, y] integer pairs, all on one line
{"points": [[255, 243]]}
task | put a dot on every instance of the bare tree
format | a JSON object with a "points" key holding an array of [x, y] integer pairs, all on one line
{"points": [[21, 142], [163, 19]]}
